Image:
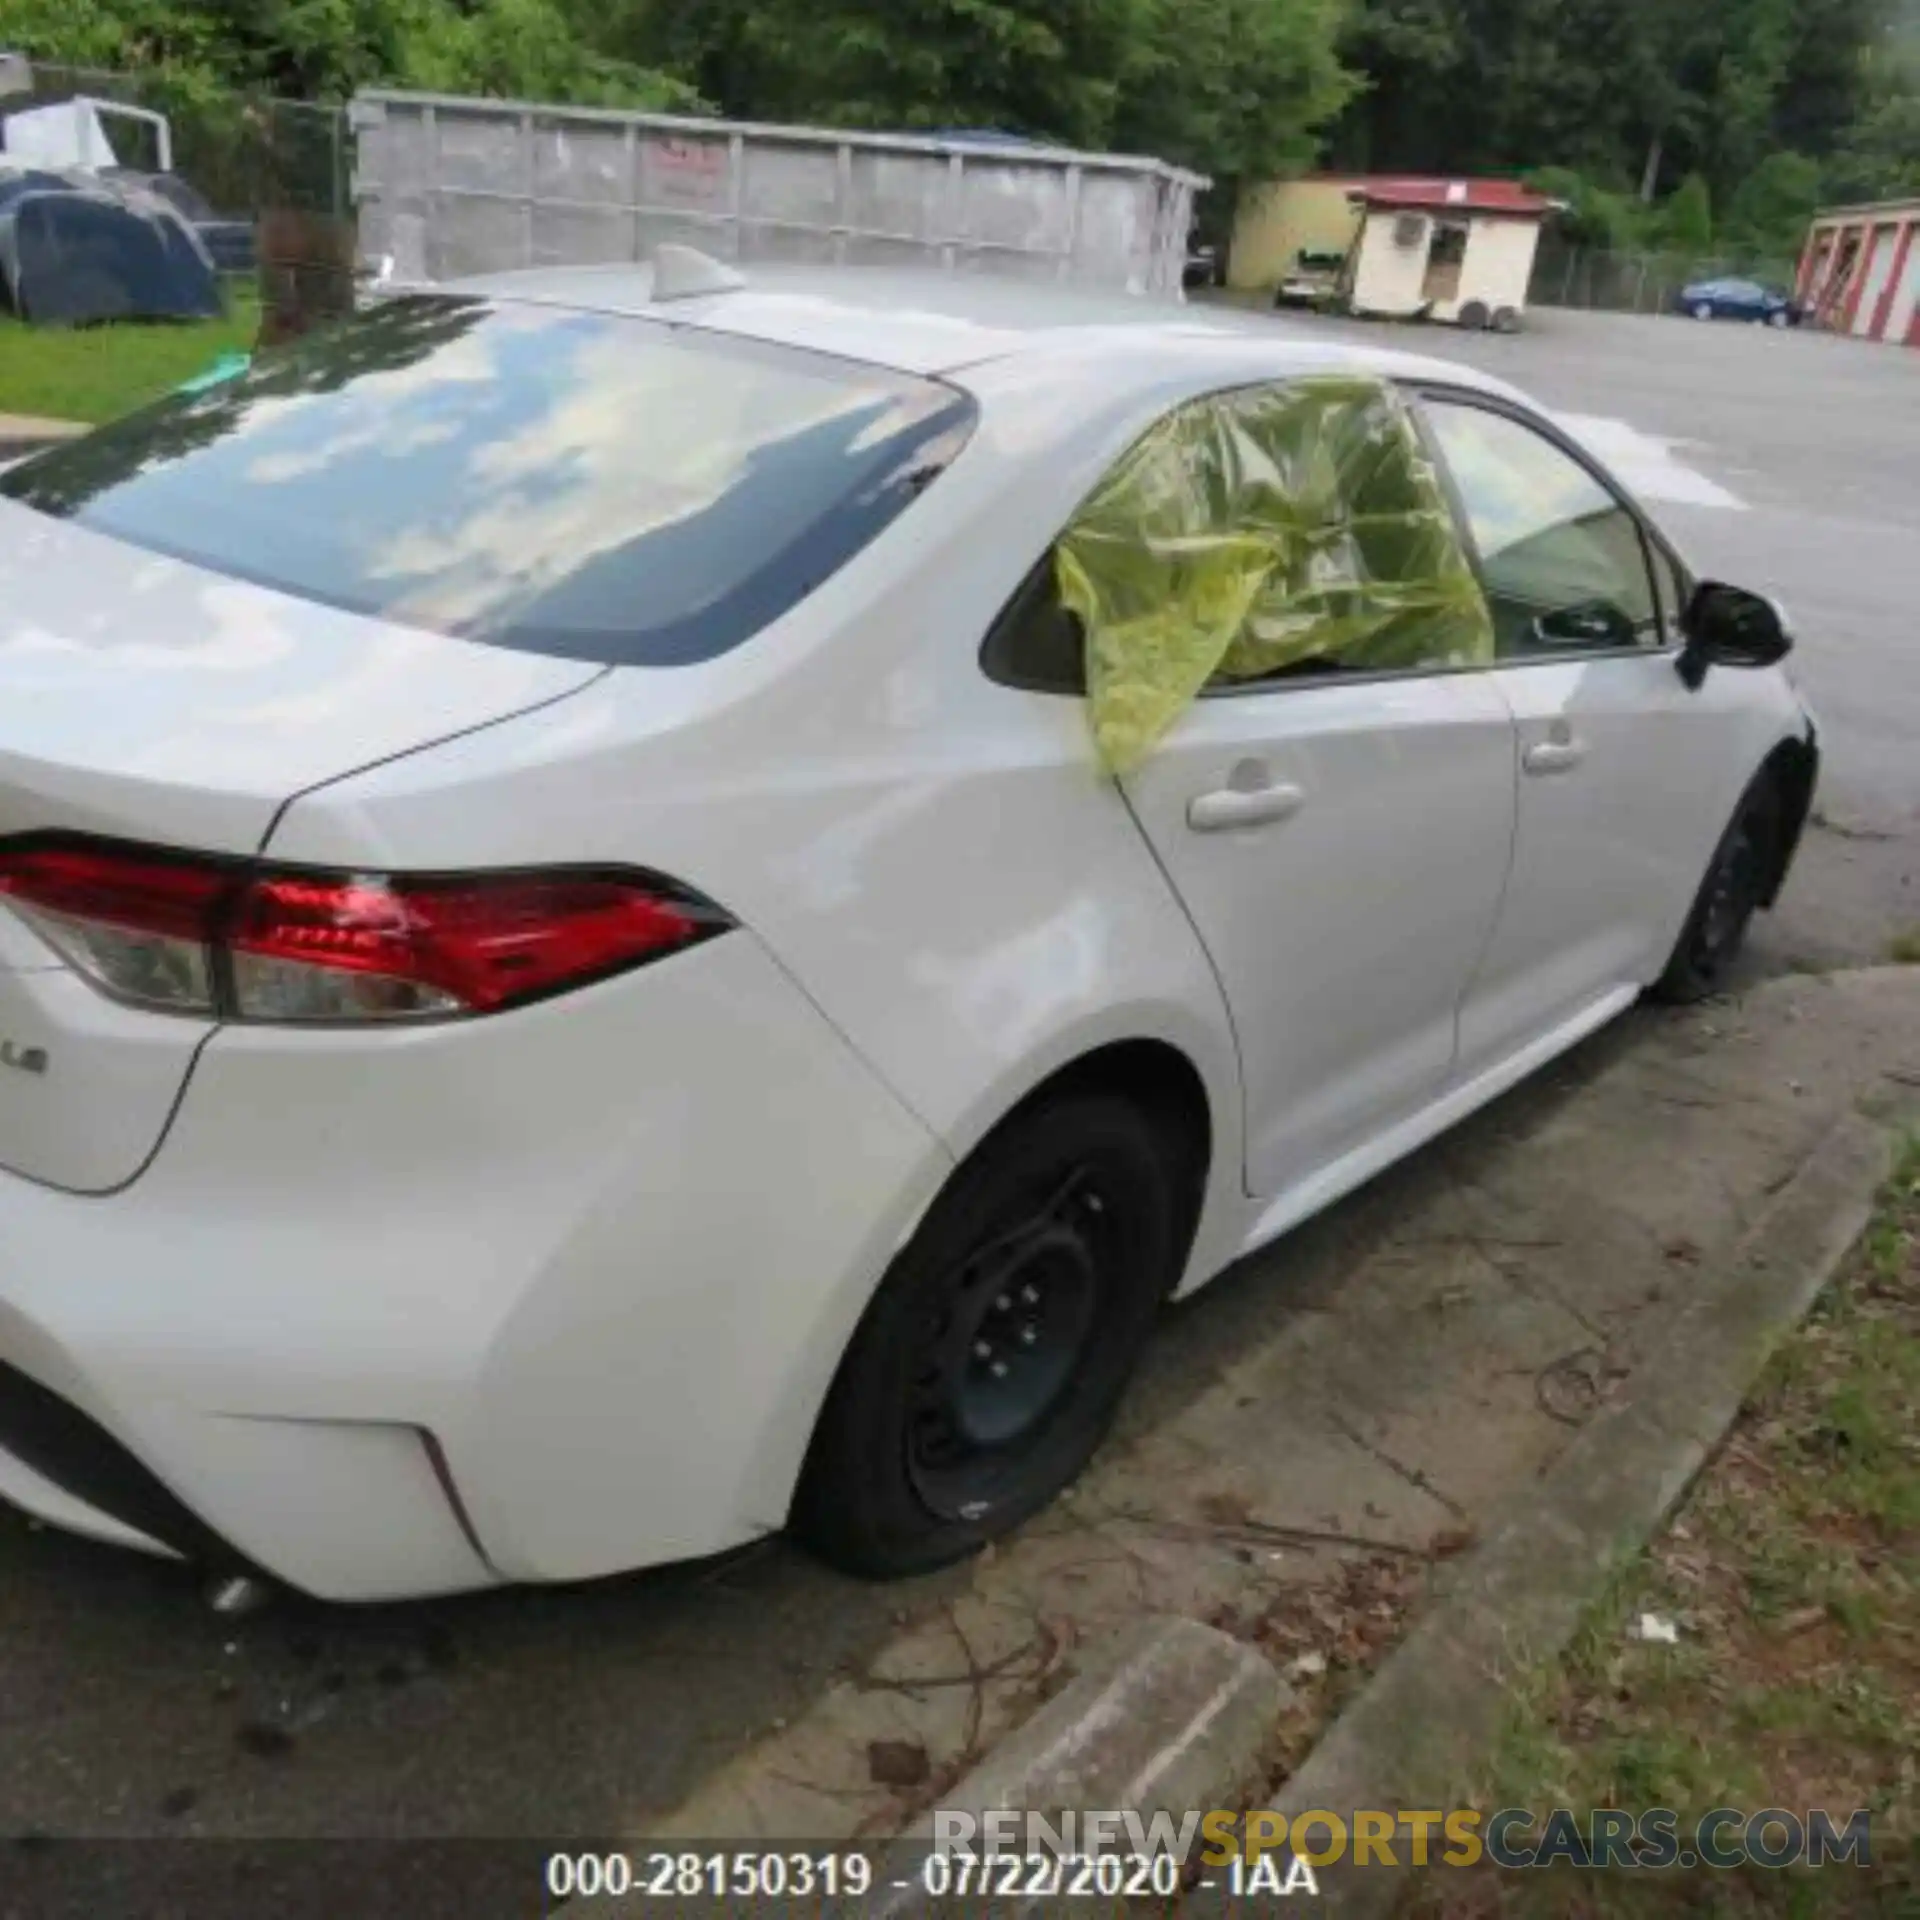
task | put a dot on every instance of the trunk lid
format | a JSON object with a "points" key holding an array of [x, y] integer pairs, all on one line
{"points": [[149, 700], [145, 697]]}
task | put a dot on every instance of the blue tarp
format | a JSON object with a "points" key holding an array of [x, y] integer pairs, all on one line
{"points": [[74, 249]]}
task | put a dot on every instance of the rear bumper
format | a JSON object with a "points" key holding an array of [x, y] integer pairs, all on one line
{"points": [[539, 1297], [39, 1471], [351, 1511]]}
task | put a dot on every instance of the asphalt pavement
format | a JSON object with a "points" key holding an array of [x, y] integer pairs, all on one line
{"points": [[1785, 462]]}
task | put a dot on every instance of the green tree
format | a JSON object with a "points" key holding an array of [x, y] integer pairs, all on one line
{"points": [[324, 49], [1757, 47], [1239, 89], [1770, 208], [1879, 154], [526, 48], [1051, 69], [1838, 49], [1595, 216], [1230, 87], [1686, 221], [1632, 94], [114, 33]]}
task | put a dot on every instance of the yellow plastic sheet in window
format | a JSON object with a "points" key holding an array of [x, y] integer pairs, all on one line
{"points": [[1262, 530]]}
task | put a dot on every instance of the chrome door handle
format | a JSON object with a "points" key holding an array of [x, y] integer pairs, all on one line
{"points": [[1232, 807], [1554, 756]]}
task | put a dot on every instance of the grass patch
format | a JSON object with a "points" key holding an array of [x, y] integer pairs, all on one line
{"points": [[97, 373], [1793, 1574], [1904, 948]]}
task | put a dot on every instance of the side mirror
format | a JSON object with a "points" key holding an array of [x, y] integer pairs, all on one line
{"points": [[1730, 627]]}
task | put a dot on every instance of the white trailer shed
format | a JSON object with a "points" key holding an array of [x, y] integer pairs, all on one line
{"points": [[1453, 250]]}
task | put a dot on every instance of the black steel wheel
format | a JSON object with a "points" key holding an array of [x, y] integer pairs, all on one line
{"points": [[1737, 881], [993, 1357]]}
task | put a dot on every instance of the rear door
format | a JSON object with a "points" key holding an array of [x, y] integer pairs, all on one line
{"points": [[1338, 834], [1625, 776], [1341, 850]]}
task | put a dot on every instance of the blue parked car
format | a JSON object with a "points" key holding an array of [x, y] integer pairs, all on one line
{"points": [[1738, 300]]}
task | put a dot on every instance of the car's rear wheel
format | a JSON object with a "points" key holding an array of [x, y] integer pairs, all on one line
{"points": [[1779, 317], [1702, 311], [1737, 879], [989, 1364]]}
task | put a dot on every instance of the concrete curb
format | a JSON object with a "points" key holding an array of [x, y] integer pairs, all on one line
{"points": [[1177, 1717], [1416, 1733]]}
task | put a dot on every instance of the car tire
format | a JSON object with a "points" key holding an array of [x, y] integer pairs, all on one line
{"points": [[1780, 317], [989, 1365], [1703, 311], [1736, 882]]}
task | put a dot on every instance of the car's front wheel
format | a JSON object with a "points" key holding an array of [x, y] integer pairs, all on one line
{"points": [[1779, 317], [1702, 311], [1737, 880], [990, 1362]]}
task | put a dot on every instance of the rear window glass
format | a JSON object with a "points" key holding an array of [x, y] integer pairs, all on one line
{"points": [[595, 486]]}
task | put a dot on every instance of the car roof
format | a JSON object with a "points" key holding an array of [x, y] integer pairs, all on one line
{"points": [[931, 322]]}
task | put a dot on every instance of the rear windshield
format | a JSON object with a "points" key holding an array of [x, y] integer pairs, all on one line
{"points": [[594, 486]]}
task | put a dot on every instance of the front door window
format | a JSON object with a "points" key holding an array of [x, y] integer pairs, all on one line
{"points": [[1562, 558]]}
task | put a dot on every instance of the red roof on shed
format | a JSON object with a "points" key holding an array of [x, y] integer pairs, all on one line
{"points": [[1445, 196]]}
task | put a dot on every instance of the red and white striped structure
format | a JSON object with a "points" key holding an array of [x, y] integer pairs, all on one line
{"points": [[1860, 273]]}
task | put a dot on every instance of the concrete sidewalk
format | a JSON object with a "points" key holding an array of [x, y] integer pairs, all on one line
{"points": [[22, 433], [1387, 1385]]}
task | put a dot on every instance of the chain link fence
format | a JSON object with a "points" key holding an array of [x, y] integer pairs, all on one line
{"points": [[1603, 281]]}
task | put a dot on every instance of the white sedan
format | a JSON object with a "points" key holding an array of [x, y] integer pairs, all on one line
{"points": [[635, 911]]}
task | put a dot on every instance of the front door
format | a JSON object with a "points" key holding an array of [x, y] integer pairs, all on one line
{"points": [[1625, 776]]}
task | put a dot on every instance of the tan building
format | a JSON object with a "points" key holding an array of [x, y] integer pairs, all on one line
{"points": [[1453, 250], [1286, 218]]}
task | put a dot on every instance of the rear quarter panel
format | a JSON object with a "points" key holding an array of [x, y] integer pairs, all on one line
{"points": [[934, 861]]}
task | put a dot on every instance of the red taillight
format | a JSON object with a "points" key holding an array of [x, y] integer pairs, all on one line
{"points": [[170, 898], [479, 943], [231, 941], [135, 925]]}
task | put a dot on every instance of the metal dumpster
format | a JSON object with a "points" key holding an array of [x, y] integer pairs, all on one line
{"points": [[448, 186]]}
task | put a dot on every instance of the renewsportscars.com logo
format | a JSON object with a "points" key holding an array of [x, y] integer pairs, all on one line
{"points": [[1268, 1852]]}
